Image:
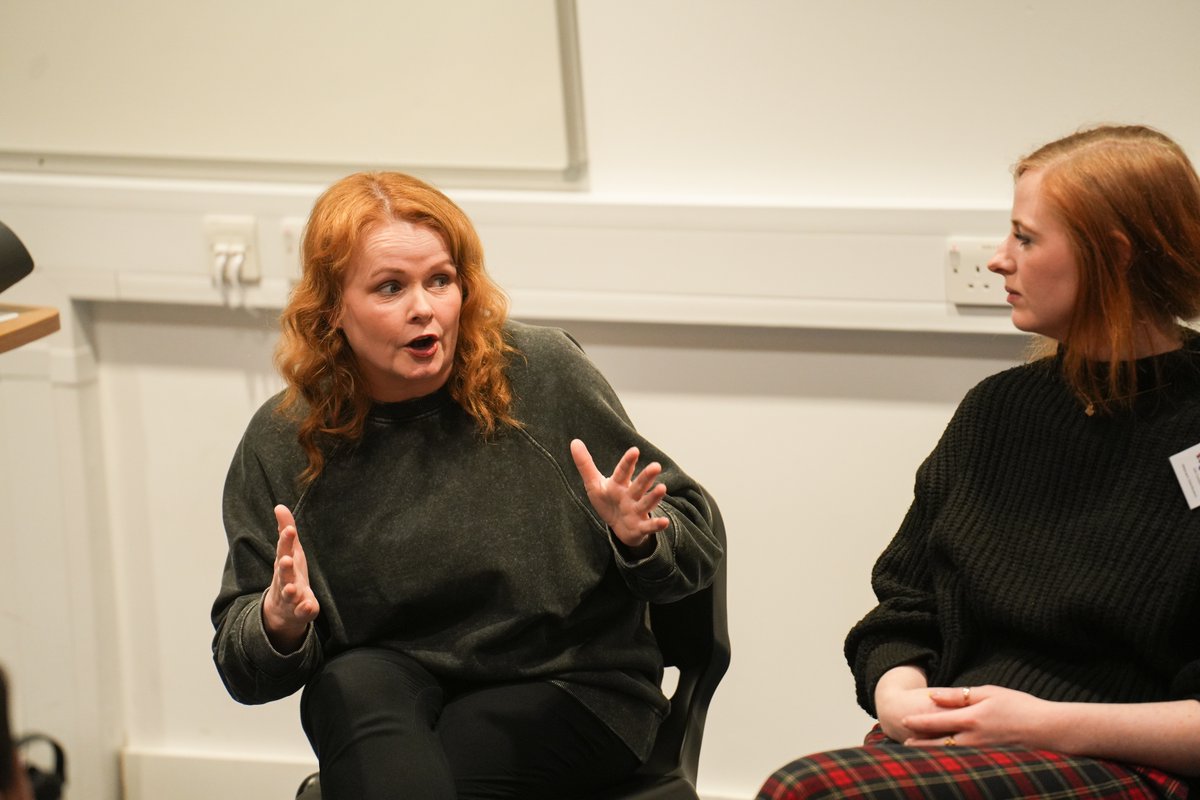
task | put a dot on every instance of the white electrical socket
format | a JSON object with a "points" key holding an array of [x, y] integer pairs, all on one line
{"points": [[232, 249], [968, 280]]}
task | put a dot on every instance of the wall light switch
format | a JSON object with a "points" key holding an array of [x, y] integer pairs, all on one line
{"points": [[968, 280]]}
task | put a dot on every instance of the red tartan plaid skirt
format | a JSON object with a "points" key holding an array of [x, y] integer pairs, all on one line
{"points": [[885, 770]]}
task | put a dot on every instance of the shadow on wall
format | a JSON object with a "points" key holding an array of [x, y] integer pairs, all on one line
{"points": [[888, 366], [790, 362]]}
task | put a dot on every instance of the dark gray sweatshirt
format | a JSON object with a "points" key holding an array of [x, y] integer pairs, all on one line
{"points": [[481, 559]]}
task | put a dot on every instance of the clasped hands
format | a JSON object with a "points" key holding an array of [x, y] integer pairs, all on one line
{"points": [[964, 716], [624, 501]]}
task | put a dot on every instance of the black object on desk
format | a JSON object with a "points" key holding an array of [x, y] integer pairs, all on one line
{"points": [[15, 261]]}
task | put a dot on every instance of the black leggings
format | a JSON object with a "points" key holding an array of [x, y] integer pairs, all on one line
{"points": [[383, 727]]}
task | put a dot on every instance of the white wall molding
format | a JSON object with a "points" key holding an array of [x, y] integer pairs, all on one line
{"points": [[61, 366], [560, 255]]}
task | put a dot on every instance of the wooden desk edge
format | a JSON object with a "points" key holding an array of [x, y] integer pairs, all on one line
{"points": [[30, 324]]}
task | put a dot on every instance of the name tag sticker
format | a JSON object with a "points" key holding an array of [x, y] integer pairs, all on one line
{"points": [[1187, 470]]}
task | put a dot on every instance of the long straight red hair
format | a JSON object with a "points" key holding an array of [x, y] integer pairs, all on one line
{"points": [[1129, 199]]}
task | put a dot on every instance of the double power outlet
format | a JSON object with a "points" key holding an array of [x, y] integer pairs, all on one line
{"points": [[233, 252], [968, 280]]}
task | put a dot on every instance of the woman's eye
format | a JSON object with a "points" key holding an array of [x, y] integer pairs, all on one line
{"points": [[1022, 238], [389, 288], [442, 281]]}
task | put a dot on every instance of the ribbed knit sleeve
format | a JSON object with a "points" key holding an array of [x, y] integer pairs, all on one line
{"points": [[904, 627], [1048, 550]]}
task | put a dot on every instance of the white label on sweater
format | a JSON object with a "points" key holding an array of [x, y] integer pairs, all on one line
{"points": [[1187, 470]]}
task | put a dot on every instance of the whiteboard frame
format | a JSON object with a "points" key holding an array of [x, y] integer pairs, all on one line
{"points": [[571, 177]]}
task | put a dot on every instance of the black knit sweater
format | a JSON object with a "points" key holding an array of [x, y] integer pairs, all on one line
{"points": [[1046, 550], [481, 559]]}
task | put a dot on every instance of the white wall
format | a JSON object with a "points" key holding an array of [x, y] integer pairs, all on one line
{"points": [[868, 102], [739, 147], [808, 439], [278, 88]]}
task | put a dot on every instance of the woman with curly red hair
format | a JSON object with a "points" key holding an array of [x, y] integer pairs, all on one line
{"points": [[420, 538]]}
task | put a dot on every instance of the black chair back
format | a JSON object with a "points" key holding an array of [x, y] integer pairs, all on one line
{"points": [[693, 635]]}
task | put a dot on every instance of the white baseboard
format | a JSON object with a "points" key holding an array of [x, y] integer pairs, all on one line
{"points": [[163, 775]]}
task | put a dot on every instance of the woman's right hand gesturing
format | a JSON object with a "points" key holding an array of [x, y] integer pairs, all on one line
{"points": [[289, 604]]}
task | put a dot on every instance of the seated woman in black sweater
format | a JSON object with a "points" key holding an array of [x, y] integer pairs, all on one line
{"points": [[419, 537], [1038, 626]]}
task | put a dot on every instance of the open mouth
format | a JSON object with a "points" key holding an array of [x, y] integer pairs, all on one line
{"points": [[423, 345]]}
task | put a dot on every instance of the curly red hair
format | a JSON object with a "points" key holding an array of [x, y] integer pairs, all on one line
{"points": [[325, 390]]}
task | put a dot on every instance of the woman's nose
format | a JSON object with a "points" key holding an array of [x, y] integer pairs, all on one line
{"points": [[420, 307], [1000, 260]]}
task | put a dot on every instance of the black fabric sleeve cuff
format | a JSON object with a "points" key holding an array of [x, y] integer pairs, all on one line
{"points": [[883, 657]]}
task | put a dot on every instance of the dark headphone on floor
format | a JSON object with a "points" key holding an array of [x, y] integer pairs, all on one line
{"points": [[46, 784]]}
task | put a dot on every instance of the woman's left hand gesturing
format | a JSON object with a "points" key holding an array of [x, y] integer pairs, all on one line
{"points": [[623, 501]]}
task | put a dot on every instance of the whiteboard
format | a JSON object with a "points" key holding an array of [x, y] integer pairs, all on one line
{"points": [[470, 85]]}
